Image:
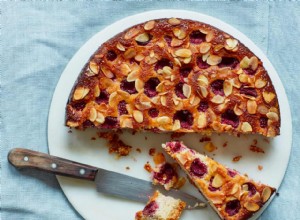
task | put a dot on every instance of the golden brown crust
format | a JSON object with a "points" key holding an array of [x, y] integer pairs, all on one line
{"points": [[232, 195], [211, 80]]}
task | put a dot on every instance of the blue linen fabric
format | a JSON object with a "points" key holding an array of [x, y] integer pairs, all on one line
{"points": [[39, 38]]}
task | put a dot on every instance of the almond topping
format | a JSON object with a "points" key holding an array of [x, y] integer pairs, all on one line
{"points": [[131, 33], [72, 124], [176, 42], [132, 76], [235, 188], [107, 72], [201, 122], [163, 100], [138, 116], [251, 106], [120, 47], [183, 53], [272, 116], [130, 53], [244, 64], [252, 207], [209, 36], [237, 110], [96, 91], [246, 127], [125, 69], [243, 78], [204, 47], [139, 57], [167, 70], [94, 67], [253, 63], [163, 120], [210, 147], [262, 109], [126, 123], [80, 93], [93, 114], [179, 33], [268, 96], [186, 90], [187, 60], [100, 118], [227, 87], [217, 99], [203, 91], [203, 81], [142, 38], [218, 181], [176, 125], [139, 85], [214, 60], [266, 193], [149, 25], [111, 100], [260, 83], [231, 44], [173, 21]]}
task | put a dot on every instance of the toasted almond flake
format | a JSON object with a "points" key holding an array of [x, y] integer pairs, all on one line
{"points": [[149, 25], [130, 53], [271, 132], [174, 21], [218, 181], [72, 124], [143, 105], [179, 33], [176, 125], [244, 64], [96, 91], [160, 86], [243, 78], [205, 56], [107, 72], [260, 83], [214, 60], [273, 116], [251, 106], [246, 127], [139, 57], [163, 100], [187, 60], [163, 120], [167, 70], [227, 87], [218, 47], [80, 93], [120, 47], [209, 36], [234, 189], [131, 33], [183, 53], [202, 121], [175, 100], [235, 83], [210, 147], [139, 85], [204, 47], [252, 207], [177, 61], [100, 118], [126, 123], [155, 99], [122, 93], [125, 69], [133, 75], [231, 44], [237, 110], [268, 96], [253, 64], [196, 101], [203, 81], [138, 116], [218, 99], [94, 67], [142, 38], [203, 91], [266, 193], [111, 100], [186, 90], [176, 42], [93, 114]]}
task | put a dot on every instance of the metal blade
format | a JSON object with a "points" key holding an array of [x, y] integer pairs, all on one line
{"points": [[124, 186]]}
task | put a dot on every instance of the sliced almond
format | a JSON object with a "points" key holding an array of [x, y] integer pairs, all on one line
{"points": [[93, 114], [125, 69], [186, 90], [100, 118], [96, 91], [218, 47], [107, 72], [133, 75], [138, 116], [203, 91], [234, 189], [253, 64], [231, 44], [94, 67], [271, 132], [273, 116], [218, 181], [183, 53], [120, 47], [179, 33], [163, 120], [131, 33], [142, 38], [139, 57], [80, 93], [112, 100], [163, 100], [150, 60], [266, 193], [246, 127], [196, 101], [167, 70], [176, 125], [251, 106], [187, 60], [203, 81], [176, 42], [139, 85], [202, 121], [210, 147], [262, 109], [209, 36], [149, 25], [204, 47], [244, 64], [130, 53], [174, 21], [227, 87], [126, 123], [217, 99], [214, 60], [268, 96], [237, 110], [251, 206], [260, 83], [244, 78], [143, 105], [205, 56], [72, 124]]}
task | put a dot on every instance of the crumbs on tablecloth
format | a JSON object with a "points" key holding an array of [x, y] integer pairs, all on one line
{"points": [[237, 158], [204, 139], [148, 167], [277, 194], [133, 132], [70, 131], [256, 149], [146, 138], [127, 168], [225, 144], [93, 138], [210, 147], [254, 142], [159, 158], [138, 150], [152, 151], [115, 144], [260, 167], [176, 135], [266, 140]]}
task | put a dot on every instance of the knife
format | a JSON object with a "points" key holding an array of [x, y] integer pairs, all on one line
{"points": [[127, 187]]}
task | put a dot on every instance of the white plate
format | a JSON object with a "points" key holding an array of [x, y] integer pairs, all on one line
{"points": [[78, 146]]}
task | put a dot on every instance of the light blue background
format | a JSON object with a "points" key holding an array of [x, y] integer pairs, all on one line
{"points": [[39, 38]]}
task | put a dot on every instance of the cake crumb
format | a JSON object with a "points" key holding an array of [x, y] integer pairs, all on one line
{"points": [[159, 158], [277, 194], [237, 158], [133, 132], [146, 138], [127, 168], [254, 142], [180, 183], [266, 140], [210, 147], [148, 167], [260, 167], [93, 138], [115, 144], [152, 151], [256, 149], [205, 139], [69, 131], [176, 135], [225, 144], [139, 150]]}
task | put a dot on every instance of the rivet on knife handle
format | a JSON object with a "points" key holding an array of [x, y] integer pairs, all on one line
{"points": [[24, 158]]}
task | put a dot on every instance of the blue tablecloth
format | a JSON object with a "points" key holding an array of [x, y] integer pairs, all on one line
{"points": [[39, 38]]}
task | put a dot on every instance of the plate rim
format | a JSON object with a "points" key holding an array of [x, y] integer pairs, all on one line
{"points": [[185, 14]]}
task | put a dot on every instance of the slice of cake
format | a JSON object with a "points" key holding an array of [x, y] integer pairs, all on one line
{"points": [[161, 207], [232, 195], [174, 75]]}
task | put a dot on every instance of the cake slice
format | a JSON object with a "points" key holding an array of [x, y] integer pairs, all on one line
{"points": [[174, 75], [232, 195], [161, 207]]}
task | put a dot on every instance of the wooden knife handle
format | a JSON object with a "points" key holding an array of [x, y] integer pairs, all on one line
{"points": [[24, 158]]}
